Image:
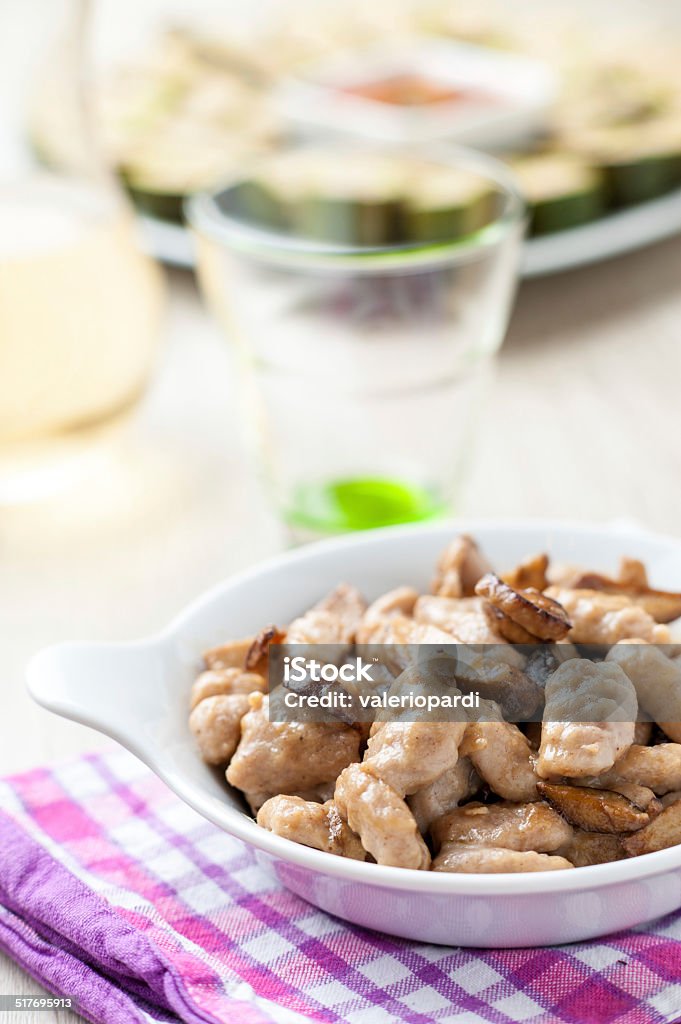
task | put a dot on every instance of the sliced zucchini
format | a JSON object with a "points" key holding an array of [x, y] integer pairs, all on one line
{"points": [[348, 220], [638, 162], [613, 94], [339, 198], [446, 203], [160, 205], [355, 202], [560, 190], [166, 168], [255, 201], [376, 200], [276, 185]]}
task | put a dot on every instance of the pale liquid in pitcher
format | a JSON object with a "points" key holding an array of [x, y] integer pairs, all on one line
{"points": [[79, 317]]}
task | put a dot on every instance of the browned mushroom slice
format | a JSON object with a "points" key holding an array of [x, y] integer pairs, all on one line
{"points": [[661, 605], [228, 655], [459, 568], [258, 653], [662, 832], [512, 826], [535, 612], [586, 848], [640, 796], [589, 580], [600, 618], [530, 573], [506, 628], [594, 810], [633, 572]]}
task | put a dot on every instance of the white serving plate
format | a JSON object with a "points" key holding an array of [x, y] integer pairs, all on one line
{"points": [[618, 233], [138, 694], [614, 235]]}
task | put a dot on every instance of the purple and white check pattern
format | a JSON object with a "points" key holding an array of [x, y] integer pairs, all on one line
{"points": [[114, 891]]}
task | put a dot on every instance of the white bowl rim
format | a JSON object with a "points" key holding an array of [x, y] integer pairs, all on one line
{"points": [[243, 827]]}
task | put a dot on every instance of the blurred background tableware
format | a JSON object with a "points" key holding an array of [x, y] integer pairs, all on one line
{"points": [[367, 292], [422, 92], [80, 302], [592, 126]]}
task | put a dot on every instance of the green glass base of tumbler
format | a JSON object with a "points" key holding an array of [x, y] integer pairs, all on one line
{"points": [[364, 503]]}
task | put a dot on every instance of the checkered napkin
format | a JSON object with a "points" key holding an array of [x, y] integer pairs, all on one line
{"points": [[115, 893]]}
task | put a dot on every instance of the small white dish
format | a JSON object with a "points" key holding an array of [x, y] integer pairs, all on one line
{"points": [[518, 92], [137, 693]]}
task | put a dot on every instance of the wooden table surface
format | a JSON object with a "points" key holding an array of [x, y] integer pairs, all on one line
{"points": [[584, 422]]}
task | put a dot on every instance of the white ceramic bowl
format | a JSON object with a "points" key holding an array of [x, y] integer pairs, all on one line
{"points": [[137, 693]]}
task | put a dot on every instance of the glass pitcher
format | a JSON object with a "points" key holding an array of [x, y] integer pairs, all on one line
{"points": [[80, 302]]}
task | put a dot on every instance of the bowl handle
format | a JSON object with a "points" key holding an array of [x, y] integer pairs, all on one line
{"points": [[108, 687]]}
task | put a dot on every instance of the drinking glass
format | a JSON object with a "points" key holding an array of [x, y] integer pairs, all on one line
{"points": [[80, 302], [363, 367]]}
